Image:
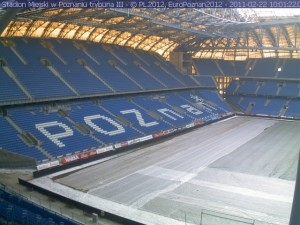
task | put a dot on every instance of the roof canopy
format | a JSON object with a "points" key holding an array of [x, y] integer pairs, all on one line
{"points": [[203, 32]]}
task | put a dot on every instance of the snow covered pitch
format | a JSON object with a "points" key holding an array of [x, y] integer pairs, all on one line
{"points": [[232, 172]]}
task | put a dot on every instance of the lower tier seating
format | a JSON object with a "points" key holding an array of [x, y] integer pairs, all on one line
{"points": [[66, 128], [15, 209], [268, 106]]}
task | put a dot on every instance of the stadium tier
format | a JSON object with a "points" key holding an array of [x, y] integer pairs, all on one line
{"points": [[256, 68], [205, 81], [282, 88], [277, 98], [10, 140], [58, 69], [43, 71], [9, 90], [293, 109], [93, 98], [69, 128]]}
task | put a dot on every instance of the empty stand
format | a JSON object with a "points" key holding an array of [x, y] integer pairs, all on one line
{"points": [[37, 70], [207, 67], [289, 69], [36, 77], [105, 126], [264, 97], [263, 68], [293, 109], [255, 68], [156, 104], [205, 81], [139, 117], [269, 88], [212, 97], [72, 127], [10, 141], [289, 89], [75, 71], [9, 90], [108, 70], [15, 209], [247, 87], [208, 111], [56, 134]]}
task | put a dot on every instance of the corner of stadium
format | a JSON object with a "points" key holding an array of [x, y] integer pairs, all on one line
{"points": [[156, 116]]}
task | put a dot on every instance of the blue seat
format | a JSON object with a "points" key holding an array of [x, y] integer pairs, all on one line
{"points": [[9, 90], [293, 109], [36, 77], [104, 126], [10, 141], [139, 118], [56, 134], [18, 210], [165, 111], [207, 67]]}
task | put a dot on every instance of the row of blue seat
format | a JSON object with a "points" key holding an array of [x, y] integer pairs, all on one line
{"points": [[272, 106], [85, 125], [276, 68], [62, 69], [266, 87], [16, 209]]}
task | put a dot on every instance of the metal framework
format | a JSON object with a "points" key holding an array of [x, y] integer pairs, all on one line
{"points": [[203, 32]]}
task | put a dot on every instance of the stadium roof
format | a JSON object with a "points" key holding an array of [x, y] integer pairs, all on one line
{"points": [[203, 32]]}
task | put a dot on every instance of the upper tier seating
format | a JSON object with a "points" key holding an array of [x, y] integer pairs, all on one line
{"points": [[75, 73], [129, 63], [37, 69], [107, 69], [290, 68], [35, 77], [207, 67], [263, 68], [167, 68], [205, 81], [9, 90]]}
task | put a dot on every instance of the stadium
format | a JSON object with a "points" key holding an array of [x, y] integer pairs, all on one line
{"points": [[148, 114]]}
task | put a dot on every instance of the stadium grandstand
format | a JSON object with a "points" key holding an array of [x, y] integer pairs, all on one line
{"points": [[158, 115]]}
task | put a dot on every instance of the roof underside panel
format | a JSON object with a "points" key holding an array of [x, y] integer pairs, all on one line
{"points": [[219, 31]]}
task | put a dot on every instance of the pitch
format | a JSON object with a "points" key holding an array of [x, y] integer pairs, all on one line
{"points": [[236, 171]]}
